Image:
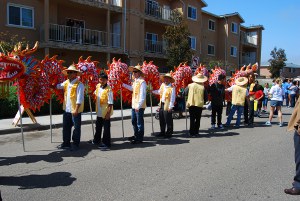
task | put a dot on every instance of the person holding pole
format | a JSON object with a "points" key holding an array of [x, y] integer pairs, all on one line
{"points": [[104, 110], [138, 89], [73, 106], [197, 96], [166, 104]]}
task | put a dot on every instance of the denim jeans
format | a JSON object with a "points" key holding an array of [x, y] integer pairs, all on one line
{"points": [[239, 110], [68, 121], [137, 120], [265, 101], [293, 100], [296, 183], [287, 99]]}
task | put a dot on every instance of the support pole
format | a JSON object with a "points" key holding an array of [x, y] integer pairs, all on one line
{"points": [[151, 108], [21, 117], [122, 112], [90, 102], [50, 105], [186, 121]]}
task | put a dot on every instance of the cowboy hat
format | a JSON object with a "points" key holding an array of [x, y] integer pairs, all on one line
{"points": [[71, 68], [137, 67], [169, 76], [241, 81], [199, 78]]}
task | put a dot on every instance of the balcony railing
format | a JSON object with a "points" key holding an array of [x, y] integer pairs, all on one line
{"points": [[68, 34], [246, 39], [112, 2], [154, 46], [247, 60], [152, 9]]}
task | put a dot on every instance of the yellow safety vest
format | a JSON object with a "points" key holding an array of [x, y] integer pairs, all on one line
{"points": [[196, 95], [103, 100], [136, 93], [239, 95], [73, 96]]}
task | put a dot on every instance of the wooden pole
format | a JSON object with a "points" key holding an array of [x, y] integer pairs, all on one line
{"points": [[21, 118], [151, 108], [122, 112]]}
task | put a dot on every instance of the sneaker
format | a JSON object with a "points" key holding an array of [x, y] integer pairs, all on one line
{"points": [[236, 126], [104, 147], [64, 146], [213, 126], [268, 123], [280, 124], [221, 126]]}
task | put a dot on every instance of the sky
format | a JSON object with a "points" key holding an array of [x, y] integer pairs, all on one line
{"points": [[281, 20]]}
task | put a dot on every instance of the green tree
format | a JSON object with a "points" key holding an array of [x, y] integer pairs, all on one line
{"points": [[8, 41], [277, 62], [176, 36]]}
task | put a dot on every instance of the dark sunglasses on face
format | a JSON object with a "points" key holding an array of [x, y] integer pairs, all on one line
{"points": [[135, 71], [70, 72]]}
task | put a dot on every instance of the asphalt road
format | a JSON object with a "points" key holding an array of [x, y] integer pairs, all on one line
{"points": [[232, 164]]}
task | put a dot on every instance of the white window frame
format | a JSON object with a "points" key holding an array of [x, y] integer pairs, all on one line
{"points": [[232, 48], [214, 25], [208, 49], [20, 7], [193, 42], [192, 7], [233, 24]]}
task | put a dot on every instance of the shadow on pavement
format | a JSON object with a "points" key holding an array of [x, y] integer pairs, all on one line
{"points": [[39, 181], [53, 157]]}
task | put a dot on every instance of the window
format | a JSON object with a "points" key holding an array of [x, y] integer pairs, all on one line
{"points": [[18, 15], [192, 42], [233, 51], [192, 13], [151, 37], [234, 27], [211, 25], [211, 50], [292, 70]]}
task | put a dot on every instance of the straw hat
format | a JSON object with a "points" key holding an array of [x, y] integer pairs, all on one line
{"points": [[71, 68], [241, 81], [137, 67], [169, 76], [199, 78]]}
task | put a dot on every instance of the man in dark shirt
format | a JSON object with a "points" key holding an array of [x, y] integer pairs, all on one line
{"points": [[217, 93]]}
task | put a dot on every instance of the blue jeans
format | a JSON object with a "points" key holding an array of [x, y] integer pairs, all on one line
{"points": [[286, 99], [68, 121], [296, 183], [137, 120], [265, 101], [293, 100], [239, 110]]}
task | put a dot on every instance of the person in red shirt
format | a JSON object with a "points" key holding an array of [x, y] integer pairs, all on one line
{"points": [[259, 96]]}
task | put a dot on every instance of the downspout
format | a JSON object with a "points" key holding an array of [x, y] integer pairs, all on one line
{"points": [[124, 35], [183, 7], [226, 36]]}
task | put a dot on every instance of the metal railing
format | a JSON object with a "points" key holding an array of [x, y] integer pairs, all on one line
{"points": [[246, 39], [68, 34], [154, 46], [247, 60], [152, 9]]}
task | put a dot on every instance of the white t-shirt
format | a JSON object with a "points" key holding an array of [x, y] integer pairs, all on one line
{"points": [[276, 92]]}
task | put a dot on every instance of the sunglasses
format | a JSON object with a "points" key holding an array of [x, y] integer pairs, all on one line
{"points": [[70, 72], [135, 71]]}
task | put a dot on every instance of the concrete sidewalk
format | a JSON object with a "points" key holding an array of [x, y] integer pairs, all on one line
{"points": [[43, 122]]}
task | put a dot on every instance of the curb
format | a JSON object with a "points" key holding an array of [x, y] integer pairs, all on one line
{"points": [[38, 127]]}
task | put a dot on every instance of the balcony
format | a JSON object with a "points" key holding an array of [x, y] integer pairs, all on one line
{"points": [[108, 4], [152, 9], [154, 46], [61, 36], [248, 40]]}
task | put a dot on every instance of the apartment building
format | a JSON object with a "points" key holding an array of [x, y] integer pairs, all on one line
{"points": [[129, 29]]}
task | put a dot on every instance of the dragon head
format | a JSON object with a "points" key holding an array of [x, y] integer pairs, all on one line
{"points": [[16, 63]]}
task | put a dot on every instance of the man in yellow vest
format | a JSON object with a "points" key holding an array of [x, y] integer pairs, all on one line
{"points": [[138, 89], [104, 110], [73, 106], [197, 96], [167, 98], [239, 95]]}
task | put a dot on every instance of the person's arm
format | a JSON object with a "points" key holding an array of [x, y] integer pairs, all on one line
{"points": [[110, 104], [156, 92], [205, 96], [142, 97], [60, 85], [172, 101], [186, 91], [80, 98], [126, 86], [230, 88]]}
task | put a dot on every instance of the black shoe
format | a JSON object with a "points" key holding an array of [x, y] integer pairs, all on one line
{"points": [[64, 146], [136, 142], [92, 142], [131, 138], [167, 136], [160, 135], [75, 147]]}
